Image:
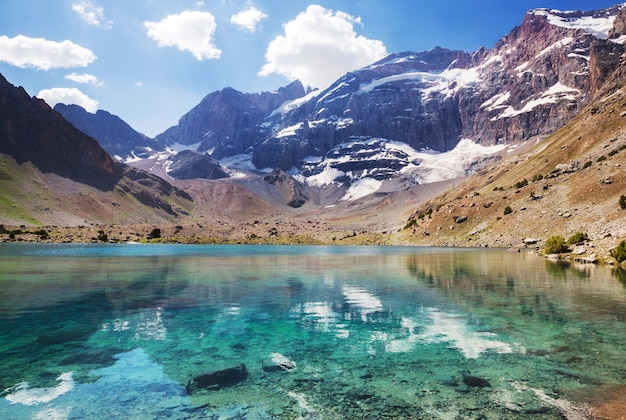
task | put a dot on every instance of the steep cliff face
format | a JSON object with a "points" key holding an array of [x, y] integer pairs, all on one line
{"points": [[227, 122], [114, 135], [535, 79], [31, 131], [72, 173]]}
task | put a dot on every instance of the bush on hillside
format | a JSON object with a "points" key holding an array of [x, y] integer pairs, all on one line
{"points": [[577, 238], [555, 245], [155, 234], [508, 210], [619, 253], [622, 202]]}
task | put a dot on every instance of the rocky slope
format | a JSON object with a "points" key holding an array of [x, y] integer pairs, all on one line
{"points": [[52, 173], [570, 182], [114, 135]]}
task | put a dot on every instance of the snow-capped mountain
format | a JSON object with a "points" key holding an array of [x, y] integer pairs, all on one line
{"points": [[421, 116], [417, 117]]}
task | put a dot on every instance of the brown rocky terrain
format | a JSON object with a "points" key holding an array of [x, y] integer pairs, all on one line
{"points": [[570, 182]]}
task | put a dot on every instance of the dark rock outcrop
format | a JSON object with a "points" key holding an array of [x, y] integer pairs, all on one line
{"points": [[218, 379], [189, 165], [31, 131], [292, 190]]}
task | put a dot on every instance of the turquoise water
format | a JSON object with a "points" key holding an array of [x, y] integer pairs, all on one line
{"points": [[120, 331]]}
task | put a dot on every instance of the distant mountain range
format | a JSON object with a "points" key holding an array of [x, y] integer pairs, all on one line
{"points": [[390, 119], [370, 141]]}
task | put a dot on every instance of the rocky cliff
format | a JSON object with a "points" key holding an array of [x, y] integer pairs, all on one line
{"points": [[59, 173], [374, 122], [114, 135], [31, 131]]}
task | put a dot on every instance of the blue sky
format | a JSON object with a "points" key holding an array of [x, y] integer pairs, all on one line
{"points": [[151, 61]]}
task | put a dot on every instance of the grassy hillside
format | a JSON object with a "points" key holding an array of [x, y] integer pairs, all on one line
{"points": [[569, 182]]}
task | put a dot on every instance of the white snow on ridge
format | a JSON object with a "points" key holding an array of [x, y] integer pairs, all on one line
{"points": [[289, 131], [425, 166], [558, 92], [497, 101], [598, 27], [448, 80], [558, 44], [428, 168], [291, 105]]}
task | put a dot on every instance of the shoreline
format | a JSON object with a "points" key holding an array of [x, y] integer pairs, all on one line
{"points": [[257, 233]]}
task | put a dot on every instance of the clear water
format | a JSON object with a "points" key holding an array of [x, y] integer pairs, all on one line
{"points": [[118, 331]]}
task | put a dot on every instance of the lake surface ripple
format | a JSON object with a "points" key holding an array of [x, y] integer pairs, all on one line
{"points": [[263, 332]]}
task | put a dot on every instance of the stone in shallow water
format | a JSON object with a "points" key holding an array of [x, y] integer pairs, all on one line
{"points": [[218, 379], [475, 381]]}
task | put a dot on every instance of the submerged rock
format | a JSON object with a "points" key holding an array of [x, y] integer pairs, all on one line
{"points": [[475, 381], [217, 379]]}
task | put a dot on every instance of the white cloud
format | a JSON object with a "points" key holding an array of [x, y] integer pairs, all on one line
{"points": [[92, 14], [85, 78], [22, 51], [319, 46], [190, 30], [68, 96], [248, 19]]}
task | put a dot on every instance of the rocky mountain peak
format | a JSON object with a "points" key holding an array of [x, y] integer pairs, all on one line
{"points": [[117, 137], [31, 131]]}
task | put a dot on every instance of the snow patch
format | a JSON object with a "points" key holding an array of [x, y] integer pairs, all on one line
{"points": [[596, 26], [559, 44], [361, 188], [289, 131], [326, 177], [558, 92]]}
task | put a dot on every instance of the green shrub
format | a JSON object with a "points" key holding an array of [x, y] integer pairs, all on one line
{"points": [[520, 184], [587, 164], [619, 253], [4, 230], [601, 158], [43, 234], [537, 177], [508, 210], [555, 245], [102, 236], [156, 233], [622, 202], [577, 238], [613, 152]]}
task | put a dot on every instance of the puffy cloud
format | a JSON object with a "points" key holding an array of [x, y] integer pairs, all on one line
{"points": [[248, 19], [85, 78], [190, 30], [92, 14], [319, 46], [68, 96], [22, 51]]}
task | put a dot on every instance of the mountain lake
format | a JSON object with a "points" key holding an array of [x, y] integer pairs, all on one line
{"points": [[312, 332]]}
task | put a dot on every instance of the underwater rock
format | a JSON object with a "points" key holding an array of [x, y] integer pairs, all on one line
{"points": [[360, 394], [475, 381], [279, 362], [395, 402], [63, 336], [95, 357], [218, 379]]}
